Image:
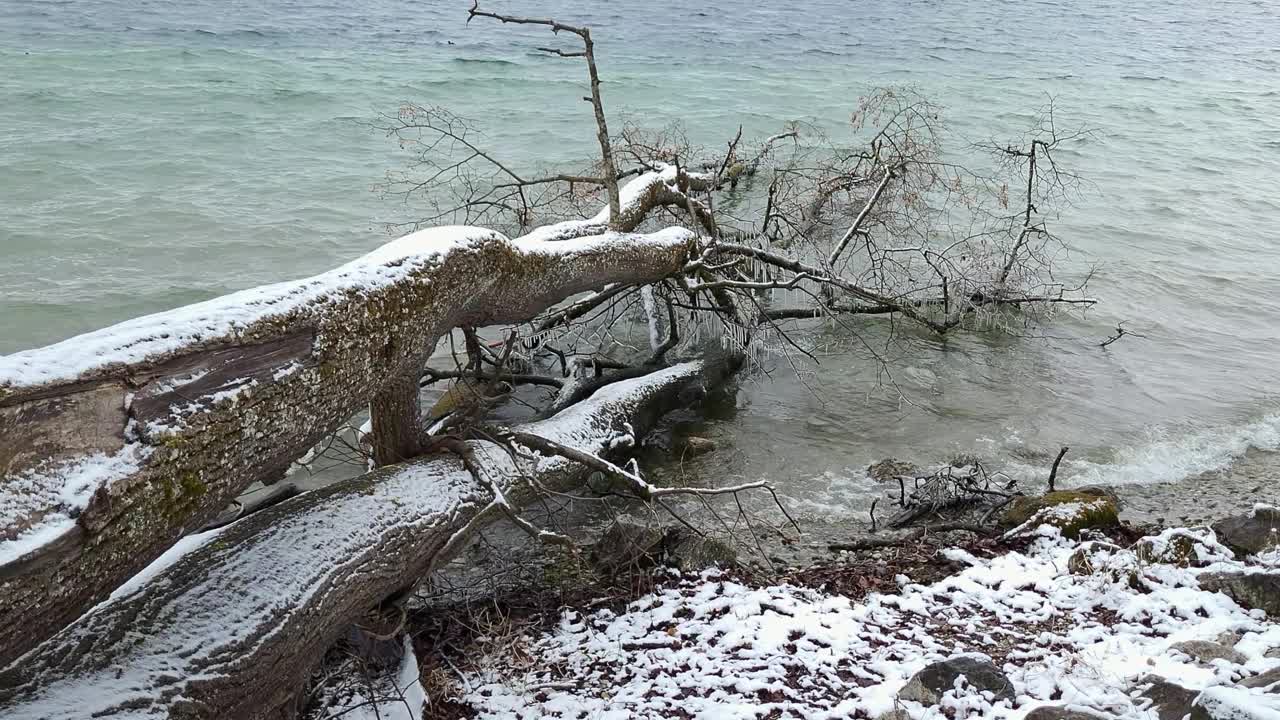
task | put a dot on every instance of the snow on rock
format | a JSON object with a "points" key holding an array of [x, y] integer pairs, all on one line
{"points": [[713, 647]]}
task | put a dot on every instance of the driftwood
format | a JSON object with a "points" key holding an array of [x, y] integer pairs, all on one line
{"points": [[231, 627], [115, 444]]}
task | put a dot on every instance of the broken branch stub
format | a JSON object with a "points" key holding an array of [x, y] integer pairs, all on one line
{"points": [[115, 443]]}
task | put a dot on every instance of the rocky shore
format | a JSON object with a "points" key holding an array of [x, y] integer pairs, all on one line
{"points": [[1071, 614]]}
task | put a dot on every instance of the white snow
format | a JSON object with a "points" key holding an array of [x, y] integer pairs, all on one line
{"points": [[712, 647], [50, 498], [403, 701], [629, 196]]}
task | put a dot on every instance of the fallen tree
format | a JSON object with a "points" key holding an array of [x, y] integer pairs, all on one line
{"points": [[115, 444], [220, 630]]}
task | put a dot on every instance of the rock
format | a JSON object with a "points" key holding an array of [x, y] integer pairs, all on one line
{"points": [[888, 470], [1223, 702], [1093, 556], [1194, 547], [1230, 638], [927, 686], [1070, 511], [894, 714], [690, 552], [1104, 558], [627, 544], [1250, 534], [1269, 681], [1101, 491], [1273, 653], [1205, 651], [1256, 590], [1057, 712], [693, 446], [1169, 701]]}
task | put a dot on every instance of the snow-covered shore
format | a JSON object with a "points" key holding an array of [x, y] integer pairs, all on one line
{"points": [[1093, 637]]}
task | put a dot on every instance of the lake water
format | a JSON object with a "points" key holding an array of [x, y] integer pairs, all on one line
{"points": [[154, 154]]}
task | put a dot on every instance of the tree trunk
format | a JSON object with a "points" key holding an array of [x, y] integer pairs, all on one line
{"points": [[115, 444], [235, 621], [396, 415]]}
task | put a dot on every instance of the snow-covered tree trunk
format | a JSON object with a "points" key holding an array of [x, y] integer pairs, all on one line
{"points": [[115, 444], [230, 622]]}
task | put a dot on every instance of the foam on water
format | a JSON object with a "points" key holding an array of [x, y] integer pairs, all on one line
{"points": [[1170, 455]]}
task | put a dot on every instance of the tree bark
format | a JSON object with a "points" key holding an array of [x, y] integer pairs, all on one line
{"points": [[115, 444], [234, 622], [396, 414]]}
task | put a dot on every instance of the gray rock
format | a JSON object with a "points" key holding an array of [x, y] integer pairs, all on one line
{"points": [[693, 446], [894, 714], [1223, 702], [1250, 534], [692, 553], [1180, 547], [1206, 651], [1230, 638], [927, 686], [1257, 590], [1055, 712], [1102, 491], [1269, 681], [1169, 701], [888, 470], [627, 544], [1273, 653]]}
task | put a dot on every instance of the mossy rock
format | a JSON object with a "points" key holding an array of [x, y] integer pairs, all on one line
{"points": [[1180, 551], [1071, 511], [1021, 508], [1183, 547]]}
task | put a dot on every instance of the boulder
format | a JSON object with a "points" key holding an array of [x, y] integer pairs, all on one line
{"points": [[1250, 534], [894, 714], [1103, 558], [1256, 590], [693, 446], [627, 544], [1101, 491], [1183, 547], [888, 470], [1269, 681], [928, 686], [1205, 651], [692, 553], [1058, 712], [1169, 701], [1071, 511], [1224, 702]]}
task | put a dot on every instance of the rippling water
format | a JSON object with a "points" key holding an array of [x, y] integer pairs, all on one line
{"points": [[156, 153]]}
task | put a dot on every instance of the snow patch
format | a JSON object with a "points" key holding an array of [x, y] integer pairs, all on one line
{"points": [[711, 647], [55, 496]]}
